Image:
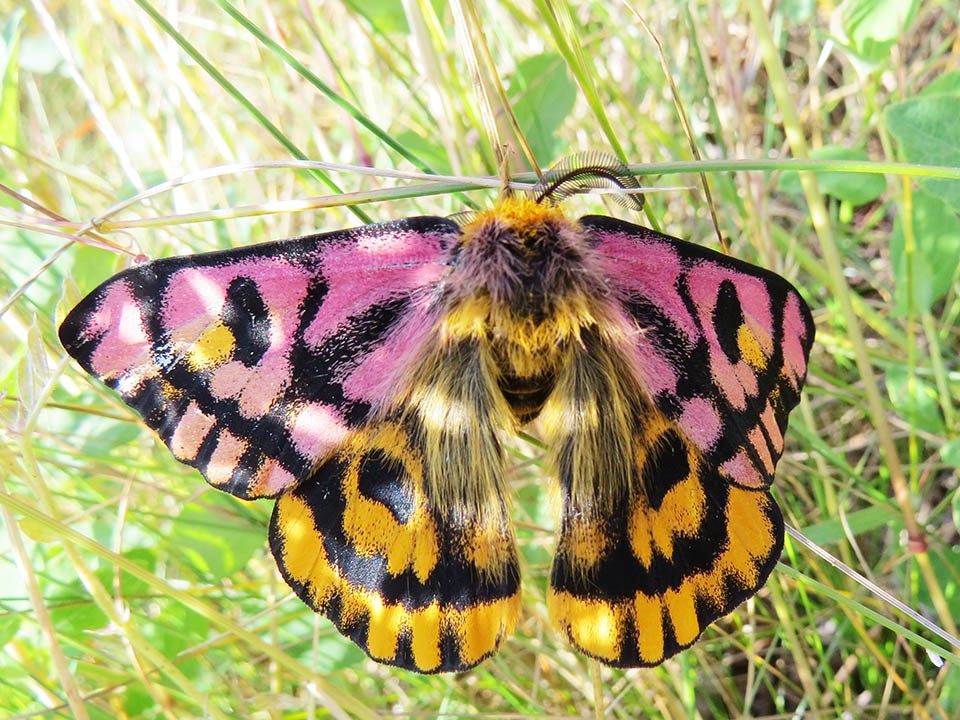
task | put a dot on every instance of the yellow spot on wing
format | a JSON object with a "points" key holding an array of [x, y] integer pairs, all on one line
{"points": [[683, 613], [386, 621], [486, 546], [750, 349], [594, 626], [680, 514], [585, 542], [648, 619], [481, 627], [751, 535], [641, 537], [303, 555], [214, 347], [425, 636]]}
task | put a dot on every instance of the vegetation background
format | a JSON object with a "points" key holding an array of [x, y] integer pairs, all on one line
{"points": [[128, 588]]}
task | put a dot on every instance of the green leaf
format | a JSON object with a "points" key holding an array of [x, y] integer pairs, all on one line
{"points": [[950, 454], [873, 27], [946, 84], [934, 261], [74, 613], [853, 188], [859, 522], [9, 625], [927, 131], [130, 584], [334, 653], [915, 400], [543, 95], [214, 544], [386, 16], [92, 265], [429, 150], [10, 79], [176, 629]]}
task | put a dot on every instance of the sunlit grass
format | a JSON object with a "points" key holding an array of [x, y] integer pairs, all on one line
{"points": [[131, 588]]}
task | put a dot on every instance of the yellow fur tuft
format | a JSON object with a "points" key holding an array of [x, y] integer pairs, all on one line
{"points": [[520, 213]]}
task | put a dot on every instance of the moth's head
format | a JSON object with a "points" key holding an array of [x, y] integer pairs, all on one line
{"points": [[533, 224], [519, 221]]}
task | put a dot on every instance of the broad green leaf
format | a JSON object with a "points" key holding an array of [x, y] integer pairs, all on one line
{"points": [[427, 149], [950, 454], [92, 265], [915, 400], [214, 544], [927, 132], [131, 586], [10, 79], [177, 628], [543, 95], [74, 613], [854, 188], [860, 521], [936, 257], [9, 625], [946, 84], [873, 27]]}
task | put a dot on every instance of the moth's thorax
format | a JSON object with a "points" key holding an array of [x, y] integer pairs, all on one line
{"points": [[526, 272], [523, 256]]}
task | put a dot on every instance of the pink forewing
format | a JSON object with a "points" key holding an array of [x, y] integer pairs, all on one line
{"points": [[795, 333], [317, 428], [701, 421], [195, 296], [124, 345], [646, 268], [361, 275], [192, 429], [379, 374], [225, 457]]}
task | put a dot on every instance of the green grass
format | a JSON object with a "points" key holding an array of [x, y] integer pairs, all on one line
{"points": [[128, 588]]}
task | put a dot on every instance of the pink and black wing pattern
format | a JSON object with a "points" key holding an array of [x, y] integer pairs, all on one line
{"points": [[721, 345], [253, 364]]}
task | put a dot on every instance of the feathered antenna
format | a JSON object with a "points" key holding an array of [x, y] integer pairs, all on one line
{"points": [[588, 171]]}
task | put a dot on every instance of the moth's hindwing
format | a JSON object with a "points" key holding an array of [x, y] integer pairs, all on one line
{"points": [[252, 364], [412, 583], [720, 345], [639, 573]]}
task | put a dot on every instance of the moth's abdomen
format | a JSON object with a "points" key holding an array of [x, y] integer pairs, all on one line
{"points": [[526, 395]]}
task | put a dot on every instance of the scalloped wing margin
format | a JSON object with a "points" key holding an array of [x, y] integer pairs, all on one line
{"points": [[253, 364]]}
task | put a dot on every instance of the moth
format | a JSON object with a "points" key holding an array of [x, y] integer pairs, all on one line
{"points": [[367, 380]]}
